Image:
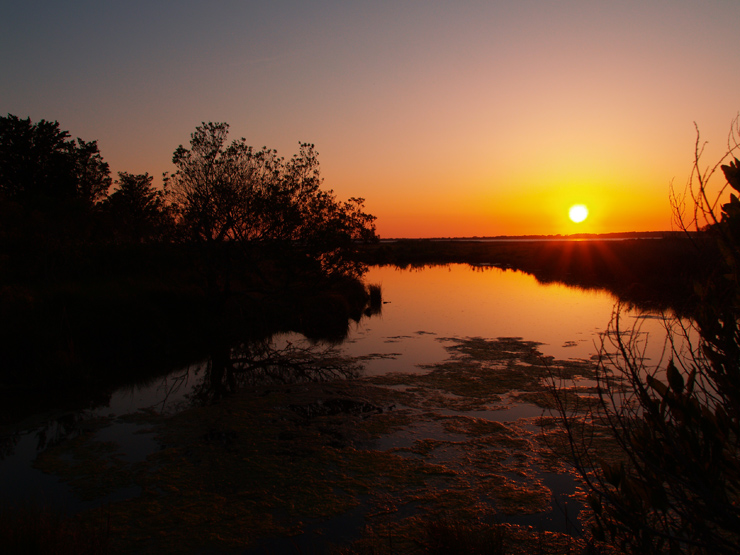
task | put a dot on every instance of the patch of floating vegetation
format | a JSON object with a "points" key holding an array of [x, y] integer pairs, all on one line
{"points": [[396, 338], [377, 356], [479, 371], [276, 461]]}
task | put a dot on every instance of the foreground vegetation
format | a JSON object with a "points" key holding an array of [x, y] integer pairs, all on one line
{"points": [[675, 484]]}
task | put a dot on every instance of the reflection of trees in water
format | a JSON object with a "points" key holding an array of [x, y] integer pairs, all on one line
{"points": [[313, 355], [253, 361], [51, 433], [8, 443], [262, 361], [61, 428], [67, 412]]}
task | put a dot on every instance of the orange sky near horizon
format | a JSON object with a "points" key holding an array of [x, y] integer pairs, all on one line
{"points": [[451, 119]]}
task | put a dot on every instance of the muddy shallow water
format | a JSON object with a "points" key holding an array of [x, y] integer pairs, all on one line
{"points": [[448, 422]]}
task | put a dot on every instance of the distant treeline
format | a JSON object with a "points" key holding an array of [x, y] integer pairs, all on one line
{"points": [[616, 235]]}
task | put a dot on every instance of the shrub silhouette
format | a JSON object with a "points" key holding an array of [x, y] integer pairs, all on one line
{"points": [[675, 486]]}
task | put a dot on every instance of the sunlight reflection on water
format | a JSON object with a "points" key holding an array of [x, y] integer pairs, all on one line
{"points": [[422, 307]]}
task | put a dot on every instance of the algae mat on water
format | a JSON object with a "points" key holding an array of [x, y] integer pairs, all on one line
{"points": [[418, 458]]}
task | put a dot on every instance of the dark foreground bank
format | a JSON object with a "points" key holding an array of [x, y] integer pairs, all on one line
{"points": [[87, 322]]}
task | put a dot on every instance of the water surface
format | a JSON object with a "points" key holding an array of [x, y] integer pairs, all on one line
{"points": [[423, 309], [424, 306]]}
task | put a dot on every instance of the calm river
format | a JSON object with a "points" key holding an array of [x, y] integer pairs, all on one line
{"points": [[422, 307], [423, 310]]}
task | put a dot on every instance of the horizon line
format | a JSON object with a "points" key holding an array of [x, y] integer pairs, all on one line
{"points": [[627, 234]]}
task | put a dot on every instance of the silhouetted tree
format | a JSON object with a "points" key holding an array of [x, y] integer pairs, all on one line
{"points": [[137, 210], [674, 486], [254, 198], [50, 185], [39, 162]]}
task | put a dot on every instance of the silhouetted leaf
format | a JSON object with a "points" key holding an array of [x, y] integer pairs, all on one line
{"points": [[675, 380], [732, 173], [657, 385]]}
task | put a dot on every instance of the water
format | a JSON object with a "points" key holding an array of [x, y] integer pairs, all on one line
{"points": [[422, 307], [422, 311]]}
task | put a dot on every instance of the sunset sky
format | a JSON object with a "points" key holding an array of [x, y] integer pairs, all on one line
{"points": [[450, 118]]}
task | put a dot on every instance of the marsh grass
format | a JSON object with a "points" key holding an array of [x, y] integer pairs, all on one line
{"points": [[375, 302]]}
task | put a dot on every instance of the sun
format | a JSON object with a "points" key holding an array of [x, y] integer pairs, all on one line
{"points": [[578, 213]]}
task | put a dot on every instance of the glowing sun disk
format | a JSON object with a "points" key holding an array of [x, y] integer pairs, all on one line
{"points": [[578, 213]]}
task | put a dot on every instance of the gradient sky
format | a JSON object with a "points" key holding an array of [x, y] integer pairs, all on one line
{"points": [[450, 118]]}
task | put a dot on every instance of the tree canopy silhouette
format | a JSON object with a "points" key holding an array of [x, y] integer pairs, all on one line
{"points": [[39, 162], [137, 210], [233, 192], [50, 185]]}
